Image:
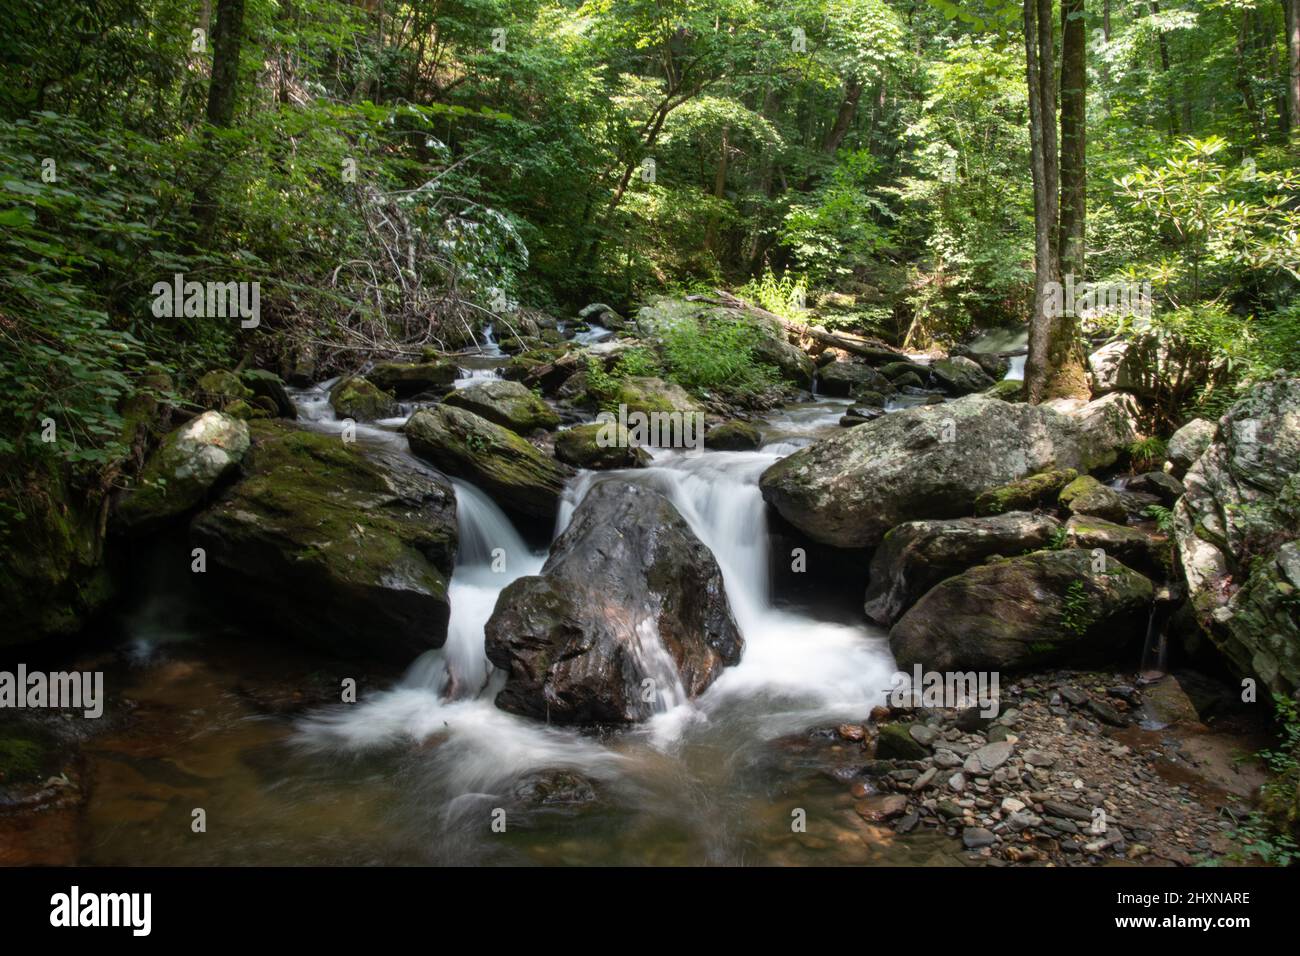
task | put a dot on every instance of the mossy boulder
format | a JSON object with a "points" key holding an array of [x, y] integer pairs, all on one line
{"points": [[841, 379], [895, 742], [508, 404], [53, 577], [1022, 613], [581, 447], [1007, 390], [1026, 493], [917, 555], [959, 375], [509, 469], [1138, 549], [183, 472], [1088, 496], [733, 436], [269, 387], [648, 394], [220, 388], [404, 379], [361, 400], [364, 550]]}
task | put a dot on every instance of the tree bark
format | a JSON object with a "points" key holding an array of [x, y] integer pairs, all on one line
{"points": [[1074, 90], [226, 35], [1292, 9], [1054, 364]]}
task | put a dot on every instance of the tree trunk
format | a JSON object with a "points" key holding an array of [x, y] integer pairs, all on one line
{"points": [[1054, 364], [1074, 90], [1292, 9], [226, 35], [844, 118]]}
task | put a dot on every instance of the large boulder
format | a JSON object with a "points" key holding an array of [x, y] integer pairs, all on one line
{"points": [[269, 386], [509, 404], [1237, 527], [960, 375], [405, 379], [53, 576], [587, 446], [628, 594], [1037, 610], [1125, 365], [361, 400], [185, 469], [1188, 444], [365, 551], [733, 436], [917, 555], [931, 462], [1139, 549], [514, 473], [841, 379], [1107, 426]]}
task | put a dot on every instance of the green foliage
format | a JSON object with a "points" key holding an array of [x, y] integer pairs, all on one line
{"points": [[785, 296], [1074, 609], [1162, 516], [714, 355], [1147, 453]]}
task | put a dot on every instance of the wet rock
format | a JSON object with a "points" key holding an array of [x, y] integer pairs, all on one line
{"points": [[361, 400], [839, 379], [975, 837], [555, 788], [581, 447], [628, 594], [1025, 493], [895, 742], [268, 385], [1088, 496], [988, 758], [960, 375], [366, 551], [733, 436], [1164, 486], [1023, 612], [931, 462], [514, 473], [882, 807], [917, 555], [188, 466], [405, 379], [508, 404]]}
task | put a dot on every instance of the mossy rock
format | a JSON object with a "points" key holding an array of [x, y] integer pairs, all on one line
{"points": [[1086, 495], [896, 743], [648, 394], [361, 400], [1007, 390], [513, 472], [188, 465], [733, 436], [23, 759], [269, 387], [220, 388], [581, 447], [366, 551], [404, 379], [508, 404], [909, 379], [1024, 494]]}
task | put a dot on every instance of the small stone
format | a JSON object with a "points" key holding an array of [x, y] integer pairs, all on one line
{"points": [[1012, 805], [957, 782], [924, 734], [852, 732], [976, 837], [881, 807]]}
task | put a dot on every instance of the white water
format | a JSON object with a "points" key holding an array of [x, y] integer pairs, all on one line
{"points": [[796, 671], [1005, 340]]}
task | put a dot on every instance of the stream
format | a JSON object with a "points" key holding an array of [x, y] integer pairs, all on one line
{"points": [[414, 771]]}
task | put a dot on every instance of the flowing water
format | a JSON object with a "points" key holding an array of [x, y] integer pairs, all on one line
{"points": [[418, 770]]}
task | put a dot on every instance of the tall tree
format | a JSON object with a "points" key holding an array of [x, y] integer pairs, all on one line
{"points": [[1292, 9], [1054, 367]]}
